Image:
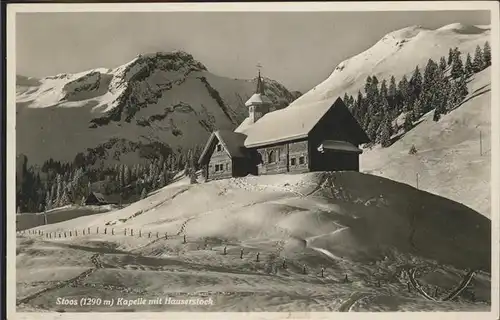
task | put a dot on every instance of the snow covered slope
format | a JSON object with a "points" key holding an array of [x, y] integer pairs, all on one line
{"points": [[449, 160], [397, 54], [156, 101], [366, 227]]}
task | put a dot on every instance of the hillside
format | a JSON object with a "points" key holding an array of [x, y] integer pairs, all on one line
{"points": [[149, 106], [374, 231], [397, 54], [449, 161]]}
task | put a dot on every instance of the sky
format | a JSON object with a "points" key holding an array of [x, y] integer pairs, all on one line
{"points": [[298, 49]]}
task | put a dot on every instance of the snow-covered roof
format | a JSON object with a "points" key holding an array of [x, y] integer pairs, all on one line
{"points": [[339, 145], [244, 125], [258, 98], [233, 143], [292, 122]]}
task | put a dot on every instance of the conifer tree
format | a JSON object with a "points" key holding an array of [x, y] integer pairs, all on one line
{"points": [[442, 64], [404, 90], [48, 201], [346, 99], [438, 112], [457, 66], [415, 84], [383, 89], [450, 57], [469, 69], [392, 88], [64, 198], [486, 55], [386, 133], [418, 109], [478, 63], [462, 89], [59, 193], [408, 124]]}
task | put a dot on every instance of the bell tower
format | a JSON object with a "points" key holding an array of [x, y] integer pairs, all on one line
{"points": [[258, 104]]}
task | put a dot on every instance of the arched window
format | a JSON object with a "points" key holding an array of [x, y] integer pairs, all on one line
{"points": [[271, 157]]}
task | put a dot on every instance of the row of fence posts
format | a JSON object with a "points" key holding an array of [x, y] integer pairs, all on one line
{"points": [[87, 231]]}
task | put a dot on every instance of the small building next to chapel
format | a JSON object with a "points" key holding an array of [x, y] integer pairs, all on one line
{"points": [[319, 136]]}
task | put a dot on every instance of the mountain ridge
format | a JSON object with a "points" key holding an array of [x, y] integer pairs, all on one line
{"points": [[103, 106], [397, 53]]}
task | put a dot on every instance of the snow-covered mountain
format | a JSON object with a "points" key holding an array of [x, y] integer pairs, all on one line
{"points": [[153, 103], [397, 54]]}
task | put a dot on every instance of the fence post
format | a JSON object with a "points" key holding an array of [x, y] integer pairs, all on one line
{"points": [[156, 234], [97, 230], [132, 232], [113, 231], [166, 237], [70, 234], [83, 231], [125, 231], [184, 238], [105, 230], [140, 233], [149, 234], [88, 230], [65, 234], [76, 233], [322, 272]]}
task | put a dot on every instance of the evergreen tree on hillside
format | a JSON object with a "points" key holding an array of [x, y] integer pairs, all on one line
{"points": [[450, 56], [442, 64], [418, 109], [462, 89], [65, 200], [346, 99], [469, 69], [440, 110], [478, 63], [457, 66], [57, 201], [404, 90], [360, 110], [392, 88], [415, 84], [386, 133], [486, 55], [408, 124], [430, 74], [383, 89], [48, 201]]}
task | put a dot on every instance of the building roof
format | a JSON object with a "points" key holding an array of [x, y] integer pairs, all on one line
{"points": [[233, 143], [292, 122], [99, 196], [244, 125], [258, 98], [339, 146]]}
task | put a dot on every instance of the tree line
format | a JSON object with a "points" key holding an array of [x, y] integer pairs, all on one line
{"points": [[442, 87], [55, 184]]}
